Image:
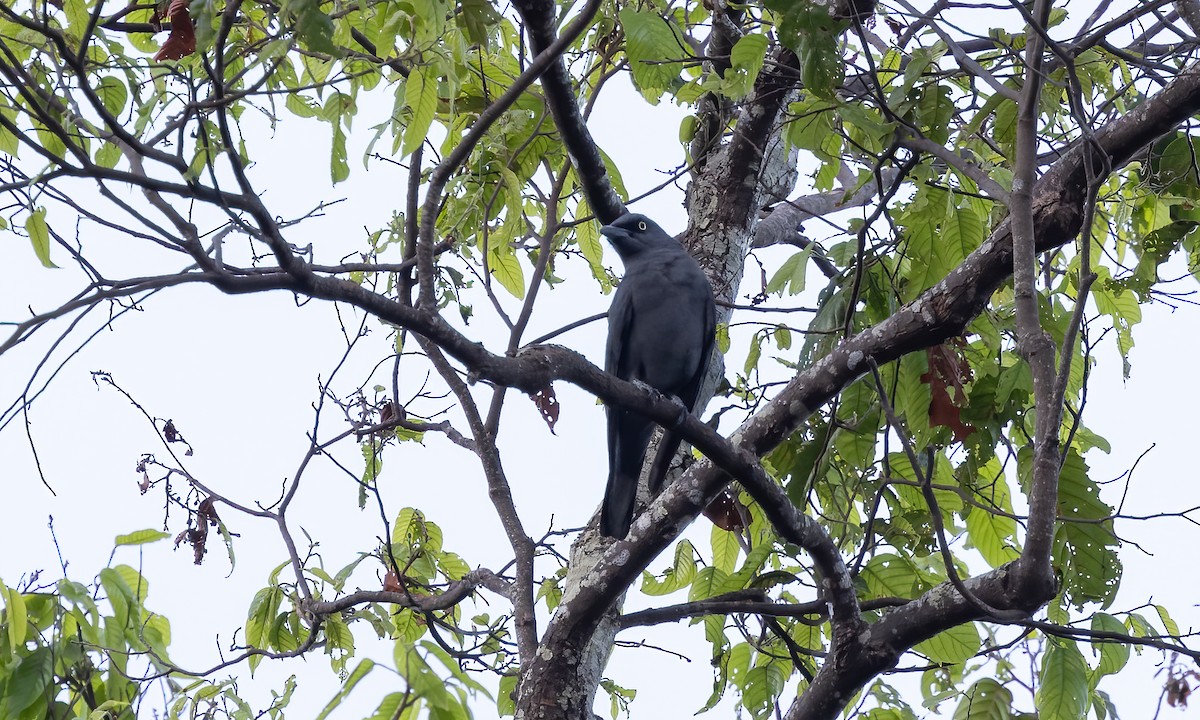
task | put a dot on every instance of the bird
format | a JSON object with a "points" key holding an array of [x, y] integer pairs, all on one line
{"points": [[661, 329]]}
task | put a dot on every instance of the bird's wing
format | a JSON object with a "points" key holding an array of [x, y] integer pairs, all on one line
{"points": [[701, 294], [697, 296], [627, 432]]}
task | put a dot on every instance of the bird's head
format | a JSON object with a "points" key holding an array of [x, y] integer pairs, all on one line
{"points": [[632, 234]]}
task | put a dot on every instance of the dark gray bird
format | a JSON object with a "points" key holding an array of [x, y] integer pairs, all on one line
{"points": [[660, 331]]}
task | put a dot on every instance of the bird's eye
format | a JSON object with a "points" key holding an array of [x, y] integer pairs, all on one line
{"points": [[641, 225]]}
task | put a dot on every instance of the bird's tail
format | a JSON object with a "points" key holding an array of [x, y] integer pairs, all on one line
{"points": [[616, 514], [668, 446]]}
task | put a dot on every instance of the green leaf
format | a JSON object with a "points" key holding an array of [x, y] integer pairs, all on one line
{"points": [[39, 235], [113, 95], [990, 535], [390, 707], [476, 17], [1113, 655], [746, 58], [962, 232], [27, 682], [313, 27], [890, 575], [1062, 692], [953, 646], [812, 122], [420, 95], [987, 699], [709, 581], [763, 686], [505, 705], [651, 42]]}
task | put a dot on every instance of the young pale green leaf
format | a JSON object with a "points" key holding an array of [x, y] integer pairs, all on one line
{"points": [[141, 537], [791, 274], [108, 155], [550, 590], [339, 167], [261, 615], [783, 337], [420, 95], [678, 576], [8, 141], [725, 549], [453, 566], [14, 607], [587, 237], [39, 235], [723, 337], [506, 268], [1168, 622], [753, 356], [1062, 692]]}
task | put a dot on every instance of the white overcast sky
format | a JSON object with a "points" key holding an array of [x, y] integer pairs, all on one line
{"points": [[238, 375]]}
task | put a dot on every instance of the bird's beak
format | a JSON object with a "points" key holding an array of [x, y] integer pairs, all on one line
{"points": [[610, 231]]}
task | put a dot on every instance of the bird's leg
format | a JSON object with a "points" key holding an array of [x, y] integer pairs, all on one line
{"points": [[682, 417], [656, 394]]}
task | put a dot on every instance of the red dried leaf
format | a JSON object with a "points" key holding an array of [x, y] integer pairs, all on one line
{"points": [[182, 40], [948, 372], [547, 405], [1178, 692], [387, 413], [727, 512], [391, 583], [199, 538], [170, 432], [207, 512]]}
